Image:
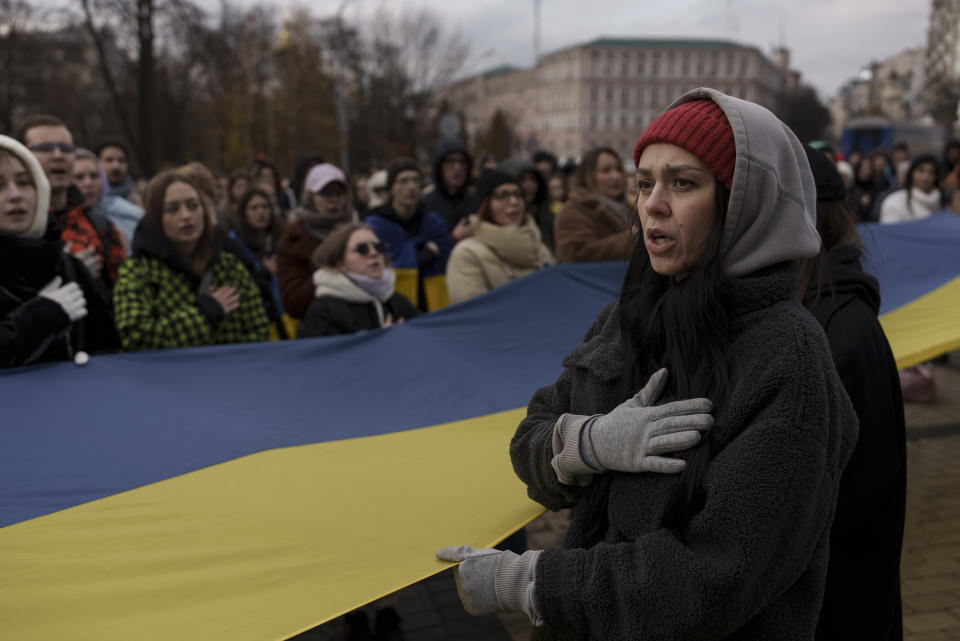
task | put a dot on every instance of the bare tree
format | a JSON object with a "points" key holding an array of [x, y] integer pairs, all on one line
{"points": [[15, 15]]}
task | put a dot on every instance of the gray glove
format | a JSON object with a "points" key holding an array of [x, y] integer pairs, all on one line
{"points": [[630, 437], [491, 581], [69, 297]]}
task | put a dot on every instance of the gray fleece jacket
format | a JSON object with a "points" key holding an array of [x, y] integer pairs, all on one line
{"points": [[751, 564]]}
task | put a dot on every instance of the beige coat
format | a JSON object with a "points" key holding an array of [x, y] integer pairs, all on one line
{"points": [[494, 256]]}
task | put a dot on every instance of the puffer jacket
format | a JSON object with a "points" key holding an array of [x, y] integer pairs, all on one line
{"points": [[342, 307]]}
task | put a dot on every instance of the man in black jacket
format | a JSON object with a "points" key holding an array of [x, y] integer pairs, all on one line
{"points": [[453, 198]]}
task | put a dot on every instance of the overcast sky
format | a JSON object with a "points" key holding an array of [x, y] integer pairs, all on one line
{"points": [[830, 40]]}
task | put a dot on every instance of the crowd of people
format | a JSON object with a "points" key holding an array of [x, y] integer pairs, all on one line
{"points": [[892, 187], [191, 258], [705, 434]]}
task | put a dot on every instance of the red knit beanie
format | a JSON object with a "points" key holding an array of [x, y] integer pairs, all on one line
{"points": [[700, 127]]}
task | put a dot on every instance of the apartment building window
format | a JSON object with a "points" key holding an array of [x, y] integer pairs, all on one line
{"points": [[609, 95], [640, 62], [624, 97], [700, 65], [593, 95], [744, 61], [656, 64], [623, 121], [730, 63], [609, 63], [714, 64], [685, 66], [593, 122], [609, 123]]}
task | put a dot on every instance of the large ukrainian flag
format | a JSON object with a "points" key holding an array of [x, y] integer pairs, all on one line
{"points": [[918, 267], [254, 491], [251, 492]]}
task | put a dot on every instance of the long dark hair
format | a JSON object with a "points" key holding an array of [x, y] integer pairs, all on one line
{"points": [[908, 183], [681, 325], [837, 226], [266, 245], [154, 195]]}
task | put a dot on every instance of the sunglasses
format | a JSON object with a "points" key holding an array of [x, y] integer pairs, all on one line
{"points": [[49, 147], [364, 248]]}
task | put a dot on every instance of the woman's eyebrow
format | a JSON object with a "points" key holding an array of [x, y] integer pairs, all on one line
{"points": [[675, 169]]}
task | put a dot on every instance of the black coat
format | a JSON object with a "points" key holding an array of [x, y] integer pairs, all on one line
{"points": [[37, 330], [451, 206], [862, 598], [329, 316], [751, 564]]}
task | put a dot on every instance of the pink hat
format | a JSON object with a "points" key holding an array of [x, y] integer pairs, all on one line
{"points": [[321, 176]]}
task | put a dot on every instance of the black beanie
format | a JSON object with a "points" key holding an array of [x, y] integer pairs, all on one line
{"points": [[399, 165], [490, 179], [825, 175]]}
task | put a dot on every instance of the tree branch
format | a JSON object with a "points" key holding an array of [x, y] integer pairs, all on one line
{"points": [[108, 76]]}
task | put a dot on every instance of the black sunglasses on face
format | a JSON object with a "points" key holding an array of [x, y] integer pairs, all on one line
{"points": [[48, 147], [364, 248]]}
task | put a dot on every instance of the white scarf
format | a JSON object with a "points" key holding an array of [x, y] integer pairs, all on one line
{"points": [[338, 284]]}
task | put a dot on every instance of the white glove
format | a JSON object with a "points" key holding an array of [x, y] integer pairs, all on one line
{"points": [[88, 256], [69, 297]]}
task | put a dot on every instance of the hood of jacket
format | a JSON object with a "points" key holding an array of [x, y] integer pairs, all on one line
{"points": [[517, 166], [847, 278], [25, 156], [445, 147], [771, 215], [149, 241]]}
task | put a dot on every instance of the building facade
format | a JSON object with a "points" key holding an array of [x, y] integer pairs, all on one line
{"points": [[893, 88], [607, 91]]}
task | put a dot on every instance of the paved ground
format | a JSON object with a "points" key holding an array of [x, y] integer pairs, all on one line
{"points": [[930, 569], [931, 556]]}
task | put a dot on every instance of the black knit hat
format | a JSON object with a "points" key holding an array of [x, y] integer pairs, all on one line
{"points": [[399, 165], [490, 179], [825, 175]]}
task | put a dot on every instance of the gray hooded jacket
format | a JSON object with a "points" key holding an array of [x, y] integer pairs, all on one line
{"points": [[751, 564]]}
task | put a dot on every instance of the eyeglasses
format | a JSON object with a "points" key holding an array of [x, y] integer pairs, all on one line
{"points": [[49, 147], [507, 195], [364, 248]]}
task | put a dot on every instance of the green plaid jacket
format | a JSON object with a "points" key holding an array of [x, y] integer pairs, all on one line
{"points": [[156, 306]]}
